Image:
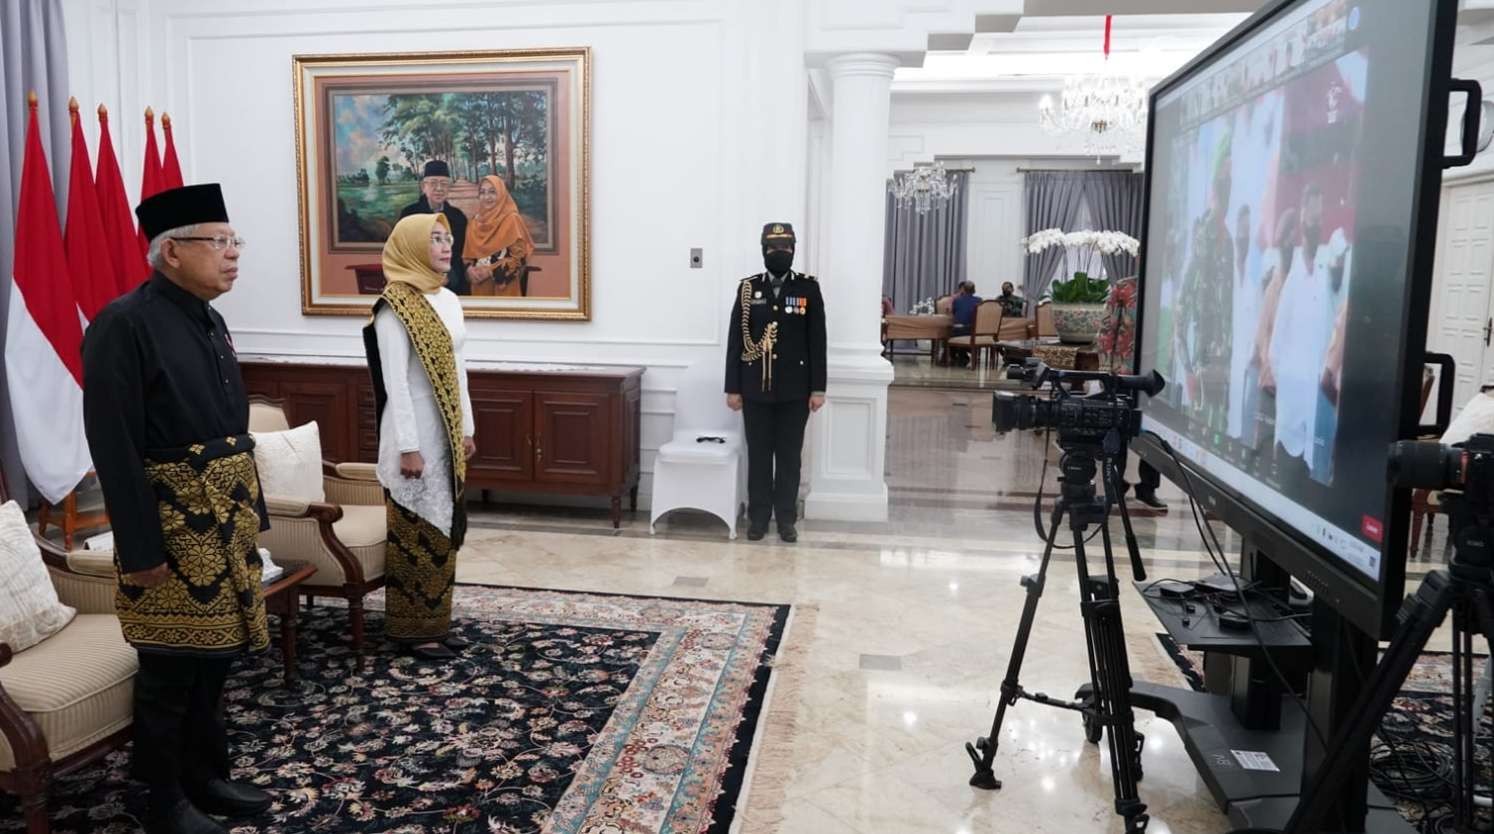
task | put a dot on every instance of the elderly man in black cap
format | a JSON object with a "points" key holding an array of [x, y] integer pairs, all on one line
{"points": [[775, 375], [167, 420], [435, 184]]}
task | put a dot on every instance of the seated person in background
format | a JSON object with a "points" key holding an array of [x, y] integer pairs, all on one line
{"points": [[1011, 303], [965, 304], [887, 308]]}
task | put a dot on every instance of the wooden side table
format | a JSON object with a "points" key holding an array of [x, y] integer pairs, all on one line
{"points": [[280, 599]]}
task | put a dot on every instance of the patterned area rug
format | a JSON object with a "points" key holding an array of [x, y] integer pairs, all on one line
{"points": [[1417, 728], [570, 712]]}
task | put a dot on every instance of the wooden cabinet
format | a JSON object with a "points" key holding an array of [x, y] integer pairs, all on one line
{"points": [[505, 436], [566, 452], [566, 432]]}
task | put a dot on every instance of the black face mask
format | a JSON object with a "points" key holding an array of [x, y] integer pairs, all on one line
{"points": [[778, 261]]}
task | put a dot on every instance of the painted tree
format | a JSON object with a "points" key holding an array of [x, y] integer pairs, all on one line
{"points": [[382, 170], [422, 126]]}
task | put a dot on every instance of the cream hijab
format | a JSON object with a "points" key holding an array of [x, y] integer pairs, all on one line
{"points": [[407, 253]]}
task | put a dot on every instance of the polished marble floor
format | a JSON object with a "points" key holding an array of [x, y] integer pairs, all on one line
{"points": [[912, 627], [914, 370]]}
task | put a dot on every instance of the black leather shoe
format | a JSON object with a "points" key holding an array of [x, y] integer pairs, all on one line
{"points": [[456, 643], [788, 533], [756, 533], [1150, 499], [182, 818], [230, 799], [434, 650]]}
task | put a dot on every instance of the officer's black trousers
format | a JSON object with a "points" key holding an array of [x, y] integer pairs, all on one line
{"points": [[775, 444], [180, 736]]}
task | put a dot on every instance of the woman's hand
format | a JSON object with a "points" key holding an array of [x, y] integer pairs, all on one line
{"points": [[411, 465], [469, 447], [480, 273]]}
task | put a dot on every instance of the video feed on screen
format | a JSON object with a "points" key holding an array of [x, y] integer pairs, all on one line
{"points": [[1261, 309]]}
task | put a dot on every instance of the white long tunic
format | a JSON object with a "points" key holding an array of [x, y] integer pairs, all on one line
{"points": [[412, 419]]}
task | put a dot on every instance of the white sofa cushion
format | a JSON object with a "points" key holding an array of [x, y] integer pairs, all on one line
{"points": [[290, 463], [29, 609]]}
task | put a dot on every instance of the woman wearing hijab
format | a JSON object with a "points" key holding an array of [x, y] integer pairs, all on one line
{"points": [[498, 244], [415, 354]]}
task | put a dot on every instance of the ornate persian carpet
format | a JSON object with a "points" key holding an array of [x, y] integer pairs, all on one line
{"points": [[1419, 727], [570, 712]]}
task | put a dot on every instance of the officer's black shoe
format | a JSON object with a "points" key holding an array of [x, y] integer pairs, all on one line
{"points": [[1149, 498], [182, 818], [756, 533], [788, 533], [230, 799]]}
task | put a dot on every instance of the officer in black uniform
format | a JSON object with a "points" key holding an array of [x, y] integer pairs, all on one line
{"points": [[775, 375]]}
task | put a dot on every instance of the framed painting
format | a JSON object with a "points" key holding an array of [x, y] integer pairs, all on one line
{"points": [[498, 141]]}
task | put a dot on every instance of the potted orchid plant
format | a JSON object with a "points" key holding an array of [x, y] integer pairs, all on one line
{"points": [[1079, 300]]}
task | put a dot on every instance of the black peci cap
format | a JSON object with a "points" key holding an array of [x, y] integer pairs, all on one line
{"points": [[178, 207]]}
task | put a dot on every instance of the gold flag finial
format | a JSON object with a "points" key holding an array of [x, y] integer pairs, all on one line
{"points": [[150, 115], [165, 121], [103, 112], [31, 99]]}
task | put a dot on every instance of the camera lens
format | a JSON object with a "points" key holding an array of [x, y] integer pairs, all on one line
{"points": [[1011, 411]]}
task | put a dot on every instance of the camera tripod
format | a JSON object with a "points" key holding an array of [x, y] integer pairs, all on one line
{"points": [[1466, 589], [1107, 707]]}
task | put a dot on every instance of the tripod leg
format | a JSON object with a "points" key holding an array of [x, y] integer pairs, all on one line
{"points": [[1132, 548], [985, 775], [1465, 722], [1420, 616], [1111, 702]]}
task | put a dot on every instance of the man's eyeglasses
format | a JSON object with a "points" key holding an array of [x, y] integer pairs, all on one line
{"points": [[218, 242], [443, 240], [438, 184]]}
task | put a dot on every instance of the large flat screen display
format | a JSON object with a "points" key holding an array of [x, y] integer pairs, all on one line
{"points": [[1285, 172]]}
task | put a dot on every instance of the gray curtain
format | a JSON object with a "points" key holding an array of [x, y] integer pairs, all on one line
{"points": [[1114, 199], [33, 56], [1053, 199], [923, 256]]}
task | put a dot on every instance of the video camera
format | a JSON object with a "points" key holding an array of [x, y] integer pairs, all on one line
{"points": [[1467, 472], [1078, 417]]}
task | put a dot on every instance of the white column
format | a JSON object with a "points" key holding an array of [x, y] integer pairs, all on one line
{"points": [[849, 435]]}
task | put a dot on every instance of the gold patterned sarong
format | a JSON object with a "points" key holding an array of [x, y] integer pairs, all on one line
{"points": [[420, 560], [212, 602], [420, 571]]}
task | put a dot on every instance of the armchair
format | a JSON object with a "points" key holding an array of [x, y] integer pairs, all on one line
{"points": [[343, 537]]}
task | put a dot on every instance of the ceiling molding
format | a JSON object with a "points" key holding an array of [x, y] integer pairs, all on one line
{"points": [[950, 41], [1065, 8], [997, 22], [964, 86]]}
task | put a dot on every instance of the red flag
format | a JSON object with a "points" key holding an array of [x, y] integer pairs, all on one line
{"points": [[92, 270], [150, 174], [43, 339], [121, 239], [171, 170]]}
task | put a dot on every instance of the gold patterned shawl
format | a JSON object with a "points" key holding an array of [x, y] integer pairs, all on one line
{"points": [[432, 343]]}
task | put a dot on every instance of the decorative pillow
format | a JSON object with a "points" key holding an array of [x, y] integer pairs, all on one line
{"points": [[29, 609], [290, 463]]}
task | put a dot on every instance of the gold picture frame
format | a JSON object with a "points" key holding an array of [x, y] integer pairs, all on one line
{"points": [[366, 124]]}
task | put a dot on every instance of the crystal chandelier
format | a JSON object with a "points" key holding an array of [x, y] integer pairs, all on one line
{"points": [[1107, 110], [924, 188]]}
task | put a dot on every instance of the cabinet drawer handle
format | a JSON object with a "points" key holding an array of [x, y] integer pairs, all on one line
{"points": [[539, 449]]}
